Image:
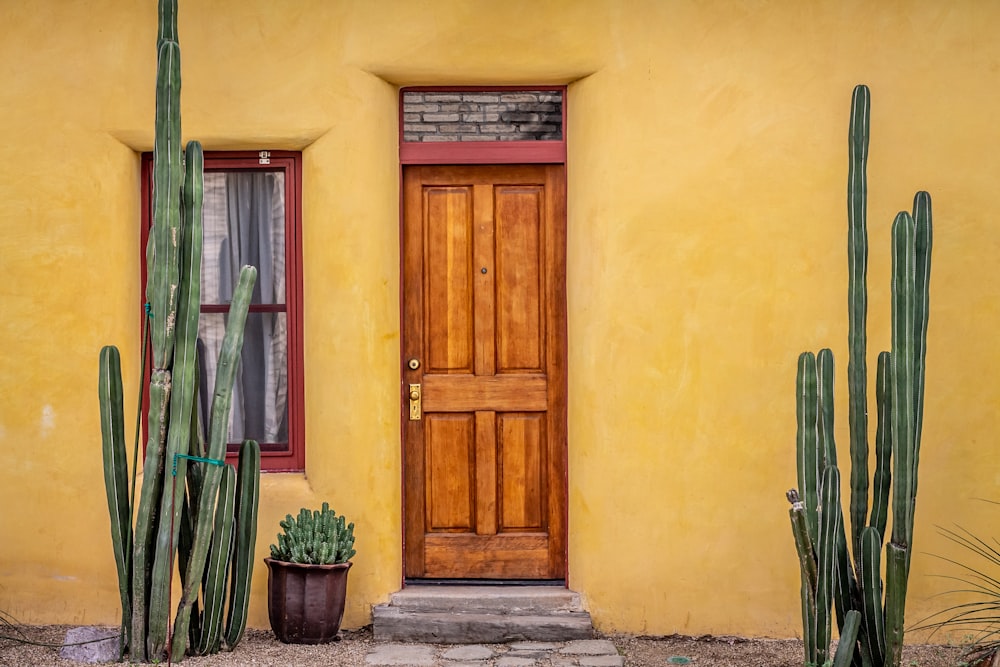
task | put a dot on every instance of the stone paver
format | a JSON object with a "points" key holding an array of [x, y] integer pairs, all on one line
{"points": [[415, 655], [507, 661], [589, 647], [578, 653], [468, 652], [559, 660], [534, 646]]}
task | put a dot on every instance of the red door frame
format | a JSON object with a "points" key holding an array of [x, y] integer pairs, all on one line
{"points": [[472, 152]]}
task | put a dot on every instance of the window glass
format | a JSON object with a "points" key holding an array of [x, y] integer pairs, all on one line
{"points": [[244, 220], [244, 223], [259, 408]]}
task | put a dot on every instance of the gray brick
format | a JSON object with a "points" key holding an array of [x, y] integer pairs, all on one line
{"points": [[537, 107], [441, 117], [553, 97], [427, 138], [478, 137], [480, 97], [498, 129], [480, 117], [443, 97], [536, 128], [412, 118], [411, 137], [464, 107], [419, 127], [457, 129], [419, 108], [520, 117], [519, 97]]}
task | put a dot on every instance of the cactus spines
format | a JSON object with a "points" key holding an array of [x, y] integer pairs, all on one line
{"points": [[830, 519], [857, 305], [196, 516], [807, 435], [116, 473], [247, 501], [871, 618], [320, 537]]}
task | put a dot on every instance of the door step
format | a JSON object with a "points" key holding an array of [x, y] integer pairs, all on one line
{"points": [[481, 615]]}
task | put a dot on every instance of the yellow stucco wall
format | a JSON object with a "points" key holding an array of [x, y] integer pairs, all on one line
{"points": [[707, 248]]}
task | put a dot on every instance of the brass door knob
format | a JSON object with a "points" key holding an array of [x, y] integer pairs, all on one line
{"points": [[414, 395]]}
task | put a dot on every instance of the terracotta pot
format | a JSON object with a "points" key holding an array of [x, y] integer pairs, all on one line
{"points": [[305, 603]]}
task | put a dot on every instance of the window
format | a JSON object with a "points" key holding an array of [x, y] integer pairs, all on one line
{"points": [[252, 215]]}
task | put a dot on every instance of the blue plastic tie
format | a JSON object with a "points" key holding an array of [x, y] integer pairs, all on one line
{"points": [[148, 308], [198, 459]]}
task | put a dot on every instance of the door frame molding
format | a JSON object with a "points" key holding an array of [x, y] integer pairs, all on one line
{"points": [[484, 153]]}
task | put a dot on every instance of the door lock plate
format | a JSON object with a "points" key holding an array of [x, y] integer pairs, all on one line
{"points": [[415, 402]]}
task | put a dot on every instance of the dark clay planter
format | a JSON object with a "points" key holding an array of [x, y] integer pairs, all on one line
{"points": [[305, 603]]}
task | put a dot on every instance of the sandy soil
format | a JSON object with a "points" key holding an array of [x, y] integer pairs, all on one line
{"points": [[259, 647]]}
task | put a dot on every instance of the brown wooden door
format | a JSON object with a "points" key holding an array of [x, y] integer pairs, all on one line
{"points": [[484, 315]]}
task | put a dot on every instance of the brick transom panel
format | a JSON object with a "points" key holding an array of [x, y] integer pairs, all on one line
{"points": [[524, 115]]}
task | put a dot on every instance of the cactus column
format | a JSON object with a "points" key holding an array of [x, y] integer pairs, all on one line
{"points": [[173, 293], [870, 619]]}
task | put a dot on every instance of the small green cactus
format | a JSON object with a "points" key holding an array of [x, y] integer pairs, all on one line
{"points": [[317, 538]]}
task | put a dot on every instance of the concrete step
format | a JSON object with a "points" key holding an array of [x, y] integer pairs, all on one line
{"points": [[481, 614], [477, 599]]}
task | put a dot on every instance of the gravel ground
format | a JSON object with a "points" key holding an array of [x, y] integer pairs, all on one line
{"points": [[259, 647]]}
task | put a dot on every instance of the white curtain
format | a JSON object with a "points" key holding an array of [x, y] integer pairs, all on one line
{"points": [[244, 218]]}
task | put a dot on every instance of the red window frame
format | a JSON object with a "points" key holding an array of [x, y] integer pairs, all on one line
{"points": [[291, 459]]}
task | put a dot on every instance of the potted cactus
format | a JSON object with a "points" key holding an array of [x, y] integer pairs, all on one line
{"points": [[307, 576]]}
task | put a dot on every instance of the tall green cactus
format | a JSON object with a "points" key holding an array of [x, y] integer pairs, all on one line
{"points": [[207, 506], [870, 618]]}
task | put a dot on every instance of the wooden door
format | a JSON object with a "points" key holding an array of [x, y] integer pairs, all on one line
{"points": [[485, 327]]}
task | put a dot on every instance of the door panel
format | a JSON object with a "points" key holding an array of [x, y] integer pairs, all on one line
{"points": [[450, 467], [484, 315]]}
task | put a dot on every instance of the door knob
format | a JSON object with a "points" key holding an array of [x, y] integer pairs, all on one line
{"points": [[414, 402], [414, 364]]}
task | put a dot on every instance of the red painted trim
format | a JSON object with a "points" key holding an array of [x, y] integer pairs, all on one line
{"points": [[275, 457], [482, 152]]}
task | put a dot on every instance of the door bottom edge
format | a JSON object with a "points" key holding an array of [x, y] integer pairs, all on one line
{"points": [[411, 581]]}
